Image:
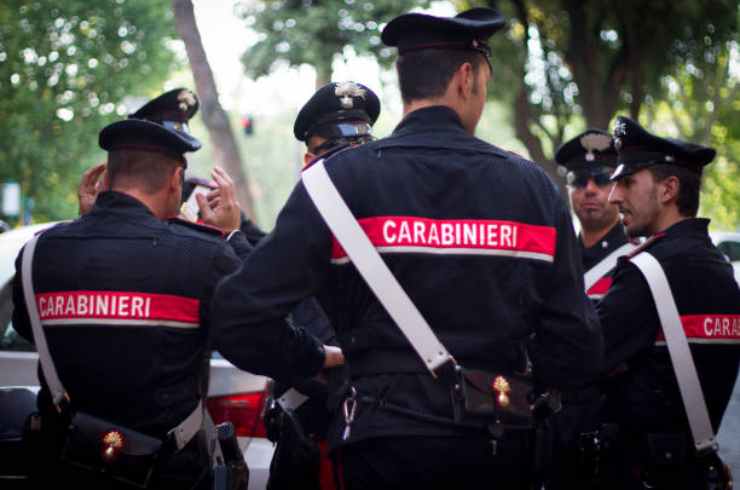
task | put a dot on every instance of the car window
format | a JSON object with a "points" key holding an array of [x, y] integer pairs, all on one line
{"points": [[730, 249]]}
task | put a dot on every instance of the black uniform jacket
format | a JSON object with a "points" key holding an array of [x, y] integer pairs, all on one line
{"points": [[479, 238], [594, 254], [124, 299], [645, 398]]}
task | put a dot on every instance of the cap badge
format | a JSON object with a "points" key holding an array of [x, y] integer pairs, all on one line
{"points": [[346, 90], [595, 142], [186, 100]]}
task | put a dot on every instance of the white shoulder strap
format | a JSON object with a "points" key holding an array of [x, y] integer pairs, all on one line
{"points": [[678, 348], [379, 278], [184, 431], [605, 265], [47, 365]]}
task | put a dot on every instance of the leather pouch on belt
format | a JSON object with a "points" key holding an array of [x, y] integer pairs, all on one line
{"points": [[494, 397], [103, 447]]}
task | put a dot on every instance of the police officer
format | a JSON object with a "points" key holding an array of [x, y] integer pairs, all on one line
{"points": [[590, 159], [123, 296], [486, 294], [336, 116], [656, 188]]}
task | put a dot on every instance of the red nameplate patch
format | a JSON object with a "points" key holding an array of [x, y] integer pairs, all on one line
{"points": [[117, 308], [411, 234], [708, 329]]}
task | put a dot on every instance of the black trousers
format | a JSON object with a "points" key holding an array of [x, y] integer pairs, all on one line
{"points": [[437, 463]]}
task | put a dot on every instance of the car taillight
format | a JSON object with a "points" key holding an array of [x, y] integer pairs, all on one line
{"points": [[244, 410]]}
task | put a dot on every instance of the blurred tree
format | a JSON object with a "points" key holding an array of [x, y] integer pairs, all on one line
{"points": [[566, 64], [65, 68], [315, 31], [223, 142]]}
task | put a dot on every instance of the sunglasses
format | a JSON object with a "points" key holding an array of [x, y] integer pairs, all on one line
{"points": [[329, 145], [579, 179]]}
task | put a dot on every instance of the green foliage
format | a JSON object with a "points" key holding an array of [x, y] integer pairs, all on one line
{"points": [[314, 31], [65, 68]]}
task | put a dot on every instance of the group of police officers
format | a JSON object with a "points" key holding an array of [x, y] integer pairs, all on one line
{"points": [[480, 239]]}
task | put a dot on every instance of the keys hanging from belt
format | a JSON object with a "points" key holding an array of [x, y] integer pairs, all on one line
{"points": [[349, 407]]}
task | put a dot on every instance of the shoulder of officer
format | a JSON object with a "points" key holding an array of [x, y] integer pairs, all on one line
{"points": [[646, 245], [195, 230]]}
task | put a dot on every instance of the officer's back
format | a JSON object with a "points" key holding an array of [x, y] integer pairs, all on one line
{"points": [[123, 297], [479, 239]]}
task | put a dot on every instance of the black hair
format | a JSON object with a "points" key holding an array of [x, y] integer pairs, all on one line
{"points": [[426, 73], [145, 170], [689, 186]]}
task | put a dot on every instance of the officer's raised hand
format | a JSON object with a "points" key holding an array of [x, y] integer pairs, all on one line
{"points": [[219, 207], [90, 186]]}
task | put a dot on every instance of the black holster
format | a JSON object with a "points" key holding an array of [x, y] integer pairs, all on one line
{"points": [[100, 446], [296, 461]]}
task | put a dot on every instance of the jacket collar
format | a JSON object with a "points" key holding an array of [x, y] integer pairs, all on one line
{"points": [[689, 226], [437, 117], [113, 201]]}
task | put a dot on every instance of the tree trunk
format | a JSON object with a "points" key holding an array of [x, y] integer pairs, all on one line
{"points": [[225, 150]]}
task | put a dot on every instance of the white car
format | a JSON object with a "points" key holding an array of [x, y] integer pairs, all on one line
{"points": [[729, 244], [233, 394]]}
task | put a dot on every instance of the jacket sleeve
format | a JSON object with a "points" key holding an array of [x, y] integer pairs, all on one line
{"points": [[628, 316], [240, 244], [250, 306], [567, 349]]}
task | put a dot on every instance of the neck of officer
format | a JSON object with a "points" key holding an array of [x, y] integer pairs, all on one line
{"points": [[592, 236], [158, 203], [669, 216], [446, 100]]}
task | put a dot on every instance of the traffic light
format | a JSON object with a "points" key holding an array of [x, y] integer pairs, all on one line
{"points": [[248, 125]]}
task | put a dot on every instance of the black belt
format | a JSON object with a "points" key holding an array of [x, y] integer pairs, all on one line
{"points": [[375, 362]]}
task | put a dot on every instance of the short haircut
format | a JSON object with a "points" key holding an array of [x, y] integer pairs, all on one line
{"points": [[147, 171], [689, 186], [426, 73]]}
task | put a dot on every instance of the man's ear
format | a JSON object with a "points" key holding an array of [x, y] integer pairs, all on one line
{"points": [[671, 186], [307, 157], [177, 178], [467, 80]]}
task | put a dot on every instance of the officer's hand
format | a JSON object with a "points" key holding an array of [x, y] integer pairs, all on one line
{"points": [[333, 356], [220, 207], [90, 186]]}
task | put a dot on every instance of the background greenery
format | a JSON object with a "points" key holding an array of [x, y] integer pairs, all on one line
{"points": [[67, 67]]}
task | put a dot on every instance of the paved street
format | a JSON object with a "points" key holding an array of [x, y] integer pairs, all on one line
{"points": [[729, 433]]}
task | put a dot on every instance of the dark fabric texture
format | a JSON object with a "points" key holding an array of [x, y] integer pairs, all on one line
{"points": [[485, 308], [147, 377], [642, 392]]}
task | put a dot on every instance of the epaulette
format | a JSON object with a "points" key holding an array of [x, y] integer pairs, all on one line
{"points": [[645, 244], [201, 227], [328, 154]]}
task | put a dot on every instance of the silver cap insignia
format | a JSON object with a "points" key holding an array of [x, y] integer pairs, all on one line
{"points": [[346, 90], [186, 100]]}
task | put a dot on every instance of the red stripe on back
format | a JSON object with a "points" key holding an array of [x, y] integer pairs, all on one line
{"points": [[709, 327], [414, 233], [117, 305]]}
